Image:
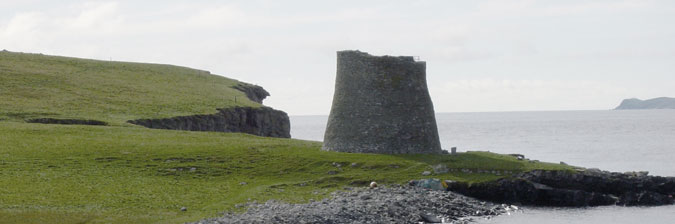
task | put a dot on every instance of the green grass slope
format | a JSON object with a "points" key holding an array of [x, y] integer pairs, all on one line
{"points": [[103, 174], [129, 174], [36, 86]]}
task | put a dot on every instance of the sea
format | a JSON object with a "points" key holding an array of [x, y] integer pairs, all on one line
{"points": [[613, 140]]}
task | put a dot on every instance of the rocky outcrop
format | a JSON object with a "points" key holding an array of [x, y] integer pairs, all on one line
{"points": [[656, 103], [590, 187], [66, 121], [253, 92], [262, 121]]}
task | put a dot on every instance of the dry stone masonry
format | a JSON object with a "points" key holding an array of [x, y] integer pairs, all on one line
{"points": [[381, 105]]}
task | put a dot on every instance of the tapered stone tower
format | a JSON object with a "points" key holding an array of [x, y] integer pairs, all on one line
{"points": [[381, 105]]}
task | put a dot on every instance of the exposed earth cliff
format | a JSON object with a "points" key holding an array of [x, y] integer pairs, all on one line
{"points": [[263, 121]]}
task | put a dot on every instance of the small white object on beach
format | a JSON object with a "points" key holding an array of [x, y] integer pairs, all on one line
{"points": [[373, 185]]}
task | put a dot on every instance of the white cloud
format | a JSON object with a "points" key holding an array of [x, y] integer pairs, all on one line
{"points": [[218, 16], [528, 8], [524, 45], [594, 7], [78, 30], [94, 17], [22, 30]]}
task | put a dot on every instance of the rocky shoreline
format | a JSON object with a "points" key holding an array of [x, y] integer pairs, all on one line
{"points": [[394, 204], [587, 187], [436, 201]]}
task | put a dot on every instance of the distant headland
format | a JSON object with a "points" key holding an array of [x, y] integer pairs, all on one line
{"points": [[656, 103]]}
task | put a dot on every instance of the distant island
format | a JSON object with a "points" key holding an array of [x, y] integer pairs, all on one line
{"points": [[656, 103]]}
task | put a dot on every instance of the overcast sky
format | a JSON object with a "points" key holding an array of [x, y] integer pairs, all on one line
{"points": [[496, 55]]}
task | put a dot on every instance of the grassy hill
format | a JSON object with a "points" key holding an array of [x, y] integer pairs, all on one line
{"points": [[37, 86], [129, 174]]}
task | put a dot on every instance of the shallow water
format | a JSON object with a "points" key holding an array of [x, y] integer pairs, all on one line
{"points": [[610, 140], [603, 214]]}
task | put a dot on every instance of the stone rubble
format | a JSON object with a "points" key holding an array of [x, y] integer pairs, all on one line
{"points": [[392, 204]]}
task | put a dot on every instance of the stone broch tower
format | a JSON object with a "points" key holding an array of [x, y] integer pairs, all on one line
{"points": [[381, 105]]}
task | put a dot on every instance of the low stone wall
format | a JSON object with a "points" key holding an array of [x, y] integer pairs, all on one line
{"points": [[262, 121]]}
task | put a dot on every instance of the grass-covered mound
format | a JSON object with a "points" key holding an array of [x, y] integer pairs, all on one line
{"points": [[135, 175], [40, 86]]}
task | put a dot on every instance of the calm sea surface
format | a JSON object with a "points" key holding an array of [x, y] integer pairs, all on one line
{"points": [[628, 140]]}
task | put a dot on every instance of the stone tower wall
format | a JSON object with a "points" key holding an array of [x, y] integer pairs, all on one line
{"points": [[381, 105]]}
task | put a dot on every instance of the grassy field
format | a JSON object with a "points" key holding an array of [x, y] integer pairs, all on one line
{"points": [[36, 86], [123, 173], [77, 174]]}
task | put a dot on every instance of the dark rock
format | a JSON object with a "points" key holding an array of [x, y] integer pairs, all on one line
{"points": [[637, 174], [263, 121], [66, 121], [254, 93], [645, 198], [595, 180], [531, 193], [590, 187]]}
